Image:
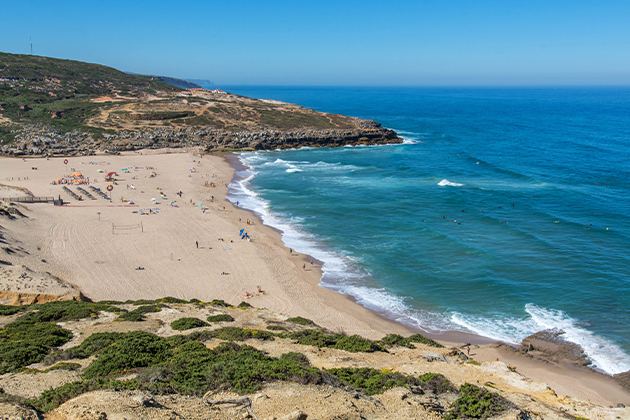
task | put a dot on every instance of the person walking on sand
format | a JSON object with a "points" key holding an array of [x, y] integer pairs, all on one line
{"points": [[197, 243]]}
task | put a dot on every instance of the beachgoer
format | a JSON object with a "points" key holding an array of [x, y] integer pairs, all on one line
{"points": [[304, 266], [197, 243], [468, 350]]}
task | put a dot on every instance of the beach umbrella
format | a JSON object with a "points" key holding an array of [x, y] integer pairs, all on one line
{"points": [[100, 171], [153, 199]]}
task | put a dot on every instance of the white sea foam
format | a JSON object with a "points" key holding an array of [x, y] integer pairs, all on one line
{"points": [[294, 169], [604, 354], [446, 182]]}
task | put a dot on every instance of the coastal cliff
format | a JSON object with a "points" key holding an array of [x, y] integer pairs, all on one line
{"points": [[51, 107]]}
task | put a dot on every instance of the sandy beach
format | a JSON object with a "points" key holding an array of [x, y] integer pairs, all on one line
{"points": [[149, 241]]}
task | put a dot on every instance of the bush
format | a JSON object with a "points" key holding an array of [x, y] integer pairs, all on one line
{"points": [[64, 311], [64, 366], [24, 343], [169, 299], [219, 302], [132, 350], [90, 346], [244, 305], [301, 321], [138, 314], [477, 403], [419, 338], [220, 318], [391, 340], [230, 366], [336, 341], [276, 328], [239, 334], [188, 323], [10, 310], [372, 381]]}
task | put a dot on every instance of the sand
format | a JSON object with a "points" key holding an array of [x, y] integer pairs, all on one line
{"points": [[97, 245]]}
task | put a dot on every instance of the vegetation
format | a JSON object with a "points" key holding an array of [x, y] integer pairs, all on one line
{"points": [[275, 328], [392, 340], [138, 314], [23, 343], [372, 381], [183, 364], [301, 321], [219, 302], [188, 323], [220, 318], [29, 338], [436, 383], [477, 403], [353, 343]]}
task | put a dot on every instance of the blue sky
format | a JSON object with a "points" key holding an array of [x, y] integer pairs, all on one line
{"points": [[408, 43]]}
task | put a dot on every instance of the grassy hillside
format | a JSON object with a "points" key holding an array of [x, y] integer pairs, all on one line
{"points": [[58, 92]]}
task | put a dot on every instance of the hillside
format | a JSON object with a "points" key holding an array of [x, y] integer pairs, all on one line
{"points": [[62, 107], [156, 358]]}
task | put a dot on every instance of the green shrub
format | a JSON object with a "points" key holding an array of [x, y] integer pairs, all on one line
{"points": [[64, 311], [230, 366], [276, 328], [220, 318], [90, 346], [10, 310], [301, 321], [477, 403], [219, 302], [138, 314], [169, 299], [23, 343], [336, 341], [372, 381], [239, 334], [419, 338], [64, 366], [391, 340], [140, 302], [244, 305], [187, 323], [132, 350]]}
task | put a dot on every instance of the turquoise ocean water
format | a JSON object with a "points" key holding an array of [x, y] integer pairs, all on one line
{"points": [[504, 213]]}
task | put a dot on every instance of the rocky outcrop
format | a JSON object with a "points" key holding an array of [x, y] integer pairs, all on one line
{"points": [[38, 140]]}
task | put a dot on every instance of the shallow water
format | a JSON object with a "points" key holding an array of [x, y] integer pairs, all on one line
{"points": [[505, 212]]}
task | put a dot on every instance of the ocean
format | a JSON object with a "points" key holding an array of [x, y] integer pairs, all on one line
{"points": [[504, 213]]}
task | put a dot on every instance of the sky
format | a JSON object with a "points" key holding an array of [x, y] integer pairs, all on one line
{"points": [[335, 43]]}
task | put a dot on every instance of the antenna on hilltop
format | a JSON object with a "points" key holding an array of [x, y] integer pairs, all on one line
{"points": [[31, 38]]}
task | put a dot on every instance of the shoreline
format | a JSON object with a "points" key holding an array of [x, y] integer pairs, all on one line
{"points": [[449, 338], [76, 244]]}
